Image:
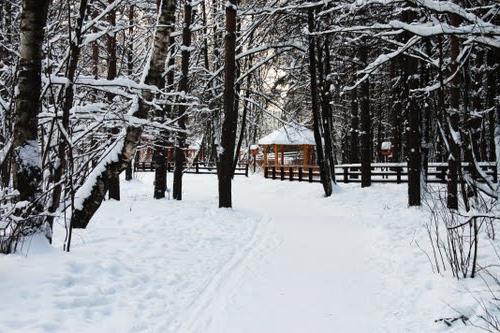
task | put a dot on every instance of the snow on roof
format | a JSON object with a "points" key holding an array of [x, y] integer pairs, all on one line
{"points": [[195, 144], [289, 135], [386, 145]]}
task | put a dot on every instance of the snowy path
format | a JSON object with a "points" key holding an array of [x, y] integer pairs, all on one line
{"points": [[284, 260], [344, 264]]}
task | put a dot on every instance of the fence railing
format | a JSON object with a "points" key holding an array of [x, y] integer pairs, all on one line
{"points": [[380, 172], [196, 168]]}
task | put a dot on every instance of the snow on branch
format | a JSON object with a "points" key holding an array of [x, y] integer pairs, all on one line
{"points": [[427, 30], [446, 7], [382, 59], [5, 151], [111, 155]]}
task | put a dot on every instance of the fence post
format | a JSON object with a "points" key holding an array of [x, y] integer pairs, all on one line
{"points": [[290, 171], [444, 170], [246, 170], [197, 167], [274, 172], [346, 174], [265, 171], [300, 174], [495, 175], [282, 171], [398, 174], [310, 175]]}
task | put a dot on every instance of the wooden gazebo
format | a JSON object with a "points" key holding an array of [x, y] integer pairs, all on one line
{"points": [[295, 140]]}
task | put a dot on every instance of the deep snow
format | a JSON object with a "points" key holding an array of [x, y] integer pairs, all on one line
{"points": [[284, 260]]}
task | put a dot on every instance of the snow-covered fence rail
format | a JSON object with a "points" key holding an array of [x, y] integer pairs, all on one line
{"points": [[381, 172], [196, 168]]}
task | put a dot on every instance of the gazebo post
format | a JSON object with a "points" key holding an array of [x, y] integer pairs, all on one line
{"points": [[306, 155], [282, 154], [266, 149], [276, 162]]}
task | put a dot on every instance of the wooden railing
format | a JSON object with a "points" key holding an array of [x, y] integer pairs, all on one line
{"points": [[293, 173], [380, 172], [196, 168]]}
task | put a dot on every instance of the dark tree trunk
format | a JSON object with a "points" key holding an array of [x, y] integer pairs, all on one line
{"points": [[5, 25], [396, 111], [180, 157], [160, 156], [454, 118], [230, 123], [380, 136], [242, 126], [326, 108], [491, 93], [354, 149], [27, 160], [114, 180], [130, 70], [326, 177], [413, 113], [428, 115], [366, 144], [471, 127], [441, 152], [160, 152]]}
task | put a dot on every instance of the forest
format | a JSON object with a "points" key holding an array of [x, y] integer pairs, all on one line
{"points": [[86, 85]]}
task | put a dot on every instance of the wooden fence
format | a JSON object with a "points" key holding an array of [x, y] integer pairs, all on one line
{"points": [[380, 172], [196, 168]]}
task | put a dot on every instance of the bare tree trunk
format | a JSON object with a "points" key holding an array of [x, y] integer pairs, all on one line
{"points": [[130, 69], [114, 181], [67, 105], [427, 117], [245, 111], [243, 124], [491, 93], [326, 177], [497, 136], [6, 130], [366, 144], [395, 116], [354, 149], [92, 201], [414, 133], [326, 108], [230, 123], [180, 157], [160, 155], [27, 168], [454, 118]]}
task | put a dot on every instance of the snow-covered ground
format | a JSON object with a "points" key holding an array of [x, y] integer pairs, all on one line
{"points": [[284, 260]]}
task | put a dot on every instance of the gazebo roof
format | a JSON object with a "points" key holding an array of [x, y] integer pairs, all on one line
{"points": [[195, 143], [289, 135]]}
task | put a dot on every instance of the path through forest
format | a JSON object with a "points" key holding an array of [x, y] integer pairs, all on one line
{"points": [[284, 260], [349, 263]]}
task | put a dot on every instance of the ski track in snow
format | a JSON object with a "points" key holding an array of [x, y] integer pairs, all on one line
{"points": [[227, 279], [284, 260]]}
